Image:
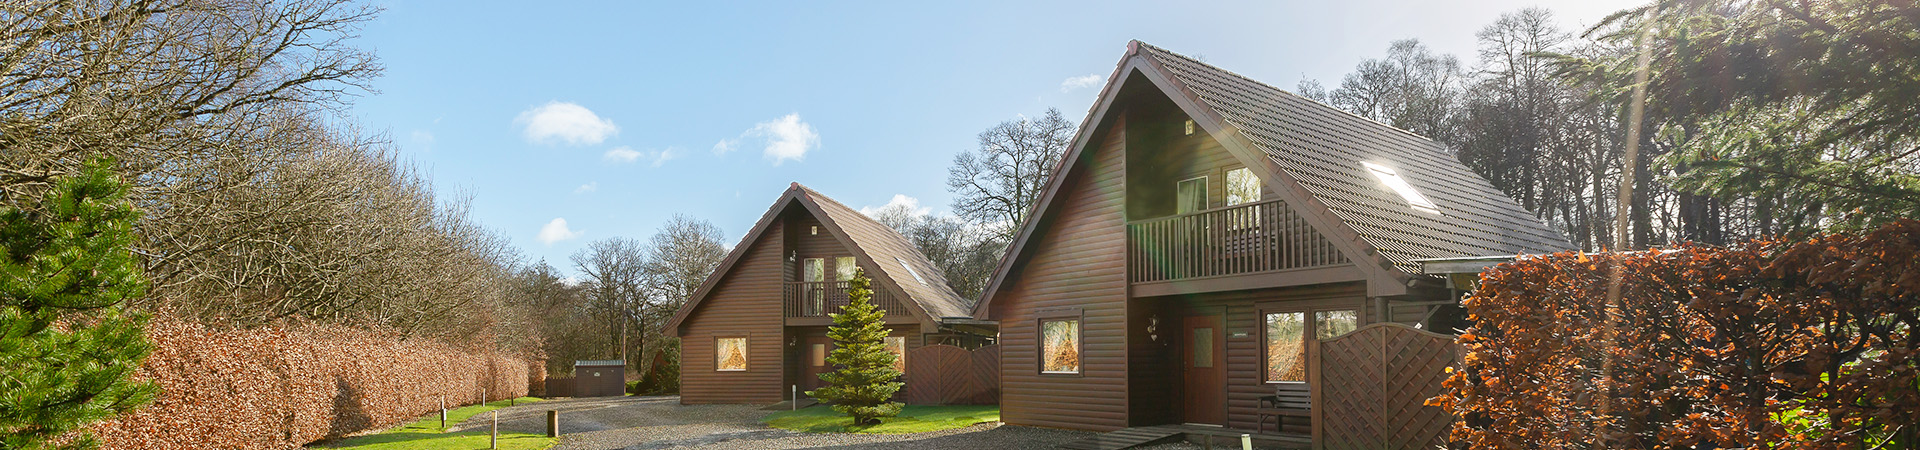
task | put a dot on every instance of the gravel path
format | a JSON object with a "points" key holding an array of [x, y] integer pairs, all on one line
{"points": [[662, 422]]}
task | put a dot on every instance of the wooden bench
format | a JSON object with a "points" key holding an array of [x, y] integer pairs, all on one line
{"points": [[1288, 400]]}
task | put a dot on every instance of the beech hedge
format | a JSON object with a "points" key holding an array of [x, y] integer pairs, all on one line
{"points": [[1768, 344], [285, 386]]}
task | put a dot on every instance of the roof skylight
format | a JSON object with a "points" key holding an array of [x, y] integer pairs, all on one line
{"points": [[910, 271], [1399, 185]]}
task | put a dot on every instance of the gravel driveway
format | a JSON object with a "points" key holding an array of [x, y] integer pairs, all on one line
{"points": [[662, 422]]}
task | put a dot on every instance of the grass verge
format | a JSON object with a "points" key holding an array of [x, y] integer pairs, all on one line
{"points": [[912, 419], [426, 434]]}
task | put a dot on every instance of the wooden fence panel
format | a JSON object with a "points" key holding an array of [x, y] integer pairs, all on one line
{"points": [[1372, 385], [949, 375]]}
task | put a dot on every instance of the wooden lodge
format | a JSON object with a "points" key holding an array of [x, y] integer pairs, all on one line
{"points": [[1204, 231], [756, 329]]}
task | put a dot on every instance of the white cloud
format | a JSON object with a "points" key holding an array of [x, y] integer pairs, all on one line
{"points": [[900, 202], [625, 154], [564, 122], [557, 231], [622, 154], [1081, 82], [788, 138], [587, 188], [424, 139], [662, 156]]}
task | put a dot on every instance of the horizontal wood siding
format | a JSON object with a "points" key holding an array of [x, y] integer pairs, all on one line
{"points": [[1246, 381], [1077, 261], [797, 353], [746, 302]]}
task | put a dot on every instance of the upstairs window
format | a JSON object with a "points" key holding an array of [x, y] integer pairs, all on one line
{"points": [[1399, 185], [1191, 195], [1242, 187], [843, 268]]}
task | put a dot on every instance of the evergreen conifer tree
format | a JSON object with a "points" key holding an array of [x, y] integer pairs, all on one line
{"points": [[865, 381], [67, 351]]}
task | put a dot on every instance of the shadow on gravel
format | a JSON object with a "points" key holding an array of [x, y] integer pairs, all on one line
{"points": [[715, 438]]}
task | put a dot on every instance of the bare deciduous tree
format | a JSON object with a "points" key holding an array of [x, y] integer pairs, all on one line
{"points": [[998, 183]]}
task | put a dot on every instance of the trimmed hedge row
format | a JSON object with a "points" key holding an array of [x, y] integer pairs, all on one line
{"points": [[282, 387], [1785, 345]]}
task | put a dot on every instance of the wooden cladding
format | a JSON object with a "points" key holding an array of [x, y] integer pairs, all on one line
{"points": [[1249, 238], [819, 298]]}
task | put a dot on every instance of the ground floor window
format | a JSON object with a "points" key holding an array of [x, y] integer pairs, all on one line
{"points": [[819, 354], [897, 345], [1060, 346], [1286, 339], [730, 354]]}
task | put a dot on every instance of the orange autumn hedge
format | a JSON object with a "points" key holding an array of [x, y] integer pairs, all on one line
{"points": [[1809, 344], [281, 387]]}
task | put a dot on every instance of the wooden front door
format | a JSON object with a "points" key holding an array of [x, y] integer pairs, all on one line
{"points": [[813, 362], [1205, 371]]}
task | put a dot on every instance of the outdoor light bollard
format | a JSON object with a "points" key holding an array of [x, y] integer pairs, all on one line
{"points": [[795, 402], [494, 442], [1246, 441], [553, 423], [443, 413]]}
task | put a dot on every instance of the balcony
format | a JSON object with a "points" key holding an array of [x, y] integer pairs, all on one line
{"points": [[1243, 239], [819, 298]]}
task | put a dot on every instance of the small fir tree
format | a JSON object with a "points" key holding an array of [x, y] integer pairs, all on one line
{"points": [[865, 381], [67, 351]]}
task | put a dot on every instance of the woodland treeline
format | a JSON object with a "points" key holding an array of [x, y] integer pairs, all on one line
{"points": [[259, 207], [1763, 118]]}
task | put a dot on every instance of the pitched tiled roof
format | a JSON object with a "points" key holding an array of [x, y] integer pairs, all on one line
{"points": [[1322, 148], [924, 283]]}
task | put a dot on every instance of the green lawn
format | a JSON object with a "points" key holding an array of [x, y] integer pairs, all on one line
{"points": [[912, 419], [426, 434]]}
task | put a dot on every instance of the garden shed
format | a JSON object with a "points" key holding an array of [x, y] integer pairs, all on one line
{"points": [[599, 378]]}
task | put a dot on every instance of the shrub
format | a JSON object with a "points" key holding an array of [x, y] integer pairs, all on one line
{"points": [[66, 348], [864, 382], [1807, 344]]}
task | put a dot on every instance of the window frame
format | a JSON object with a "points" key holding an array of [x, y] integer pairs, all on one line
{"points": [[1040, 342], [746, 352], [1309, 333], [901, 361], [1259, 190], [1206, 198]]}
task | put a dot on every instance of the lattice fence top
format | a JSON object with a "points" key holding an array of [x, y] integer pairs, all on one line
{"points": [[1372, 386]]}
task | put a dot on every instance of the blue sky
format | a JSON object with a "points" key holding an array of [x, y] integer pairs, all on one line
{"points": [[608, 115]]}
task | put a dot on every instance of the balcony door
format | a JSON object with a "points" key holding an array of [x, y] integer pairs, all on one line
{"points": [[814, 271]]}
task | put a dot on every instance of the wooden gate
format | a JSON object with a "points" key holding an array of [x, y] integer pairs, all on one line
{"points": [[949, 375], [1371, 387]]}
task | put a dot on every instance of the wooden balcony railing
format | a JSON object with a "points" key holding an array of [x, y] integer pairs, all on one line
{"points": [[1241, 239], [818, 298]]}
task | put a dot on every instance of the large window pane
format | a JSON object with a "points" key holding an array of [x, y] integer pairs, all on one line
{"points": [[1203, 347], [1286, 346], [897, 345], [1242, 187], [1192, 195], [731, 353], [1060, 346], [843, 268], [1328, 324]]}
